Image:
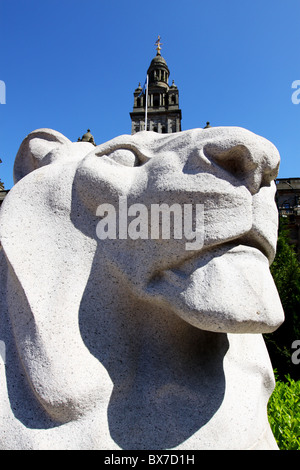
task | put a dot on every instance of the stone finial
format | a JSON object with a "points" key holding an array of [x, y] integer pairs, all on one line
{"points": [[158, 44]]}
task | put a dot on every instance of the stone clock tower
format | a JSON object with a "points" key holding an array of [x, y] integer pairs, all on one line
{"points": [[158, 103]]}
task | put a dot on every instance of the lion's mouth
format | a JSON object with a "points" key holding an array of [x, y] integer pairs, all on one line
{"points": [[186, 268], [251, 243]]}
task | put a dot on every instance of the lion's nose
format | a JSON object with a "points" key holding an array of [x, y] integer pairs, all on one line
{"points": [[254, 163]]}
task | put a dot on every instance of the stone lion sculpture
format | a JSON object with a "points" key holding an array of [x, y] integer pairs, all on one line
{"points": [[138, 342]]}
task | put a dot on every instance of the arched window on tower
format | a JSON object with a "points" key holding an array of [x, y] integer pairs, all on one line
{"points": [[156, 100]]}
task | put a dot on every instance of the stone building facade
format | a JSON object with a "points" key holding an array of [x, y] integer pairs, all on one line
{"points": [[163, 112], [3, 193], [288, 203]]}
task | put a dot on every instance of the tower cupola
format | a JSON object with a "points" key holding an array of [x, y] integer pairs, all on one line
{"points": [[158, 71]]}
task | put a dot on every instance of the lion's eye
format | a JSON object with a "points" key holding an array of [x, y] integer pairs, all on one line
{"points": [[124, 157]]}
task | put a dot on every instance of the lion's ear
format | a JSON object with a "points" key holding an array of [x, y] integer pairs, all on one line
{"points": [[34, 148]]}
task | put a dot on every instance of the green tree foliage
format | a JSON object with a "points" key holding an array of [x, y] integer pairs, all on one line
{"points": [[286, 273], [284, 415]]}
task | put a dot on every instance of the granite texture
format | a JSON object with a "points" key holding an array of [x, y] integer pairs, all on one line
{"points": [[138, 343]]}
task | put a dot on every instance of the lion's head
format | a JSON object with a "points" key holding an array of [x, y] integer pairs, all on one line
{"points": [[59, 254]]}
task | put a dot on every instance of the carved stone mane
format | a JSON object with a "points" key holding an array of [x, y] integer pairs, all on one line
{"points": [[138, 343]]}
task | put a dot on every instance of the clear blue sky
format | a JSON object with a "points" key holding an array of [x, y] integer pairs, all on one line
{"points": [[71, 65]]}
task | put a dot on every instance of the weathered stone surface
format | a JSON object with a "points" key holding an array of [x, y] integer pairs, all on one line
{"points": [[138, 343]]}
